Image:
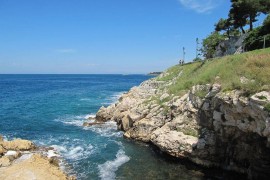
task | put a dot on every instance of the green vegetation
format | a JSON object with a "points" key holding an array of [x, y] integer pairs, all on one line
{"points": [[267, 107], [254, 65], [210, 44], [201, 93], [256, 38], [243, 14], [261, 97], [189, 132]]}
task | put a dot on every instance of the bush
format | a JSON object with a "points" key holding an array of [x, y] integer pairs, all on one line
{"points": [[197, 59], [210, 44]]}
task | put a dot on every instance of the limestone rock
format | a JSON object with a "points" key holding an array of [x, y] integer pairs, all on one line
{"points": [[2, 150], [173, 142], [126, 122], [214, 90], [261, 97], [205, 125], [36, 167], [164, 96], [18, 144], [5, 161]]}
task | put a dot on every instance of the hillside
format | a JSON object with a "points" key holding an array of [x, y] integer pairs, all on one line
{"points": [[214, 113], [248, 71]]}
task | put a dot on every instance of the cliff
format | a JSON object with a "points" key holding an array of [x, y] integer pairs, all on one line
{"points": [[215, 113]]}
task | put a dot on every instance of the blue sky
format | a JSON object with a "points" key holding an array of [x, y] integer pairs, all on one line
{"points": [[102, 36]]}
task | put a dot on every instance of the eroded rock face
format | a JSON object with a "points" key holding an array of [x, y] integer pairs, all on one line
{"points": [[209, 127]]}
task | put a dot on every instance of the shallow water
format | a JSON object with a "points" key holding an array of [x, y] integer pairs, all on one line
{"points": [[50, 110]]}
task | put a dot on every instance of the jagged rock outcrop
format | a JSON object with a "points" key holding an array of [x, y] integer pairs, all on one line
{"points": [[205, 125]]}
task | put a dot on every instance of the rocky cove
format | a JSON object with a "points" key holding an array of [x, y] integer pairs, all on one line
{"points": [[213, 113], [206, 125]]}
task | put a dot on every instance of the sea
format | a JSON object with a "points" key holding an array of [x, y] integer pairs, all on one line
{"points": [[50, 110]]}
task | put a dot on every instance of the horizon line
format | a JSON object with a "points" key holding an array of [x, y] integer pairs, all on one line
{"points": [[74, 73]]}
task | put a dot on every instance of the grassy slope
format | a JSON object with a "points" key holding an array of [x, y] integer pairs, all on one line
{"points": [[254, 65]]}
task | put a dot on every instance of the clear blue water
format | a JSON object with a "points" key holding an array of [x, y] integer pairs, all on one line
{"points": [[50, 110]]}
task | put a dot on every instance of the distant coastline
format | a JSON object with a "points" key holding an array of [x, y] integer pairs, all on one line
{"points": [[154, 73]]}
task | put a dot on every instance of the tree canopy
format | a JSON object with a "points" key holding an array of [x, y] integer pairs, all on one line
{"points": [[242, 13]]}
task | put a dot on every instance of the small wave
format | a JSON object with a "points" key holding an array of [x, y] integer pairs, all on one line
{"points": [[86, 99], [75, 120], [113, 98], [108, 169], [89, 116], [108, 129], [71, 151]]}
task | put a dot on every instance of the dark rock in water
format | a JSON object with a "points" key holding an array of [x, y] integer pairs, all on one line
{"points": [[87, 124], [55, 161]]}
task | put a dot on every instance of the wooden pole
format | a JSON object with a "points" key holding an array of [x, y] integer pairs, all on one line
{"points": [[184, 53]]}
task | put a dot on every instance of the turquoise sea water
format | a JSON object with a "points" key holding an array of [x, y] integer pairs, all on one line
{"points": [[50, 110]]}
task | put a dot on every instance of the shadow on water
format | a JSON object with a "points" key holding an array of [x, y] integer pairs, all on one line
{"points": [[149, 162]]}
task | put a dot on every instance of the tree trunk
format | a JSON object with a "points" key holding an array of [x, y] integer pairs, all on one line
{"points": [[228, 33], [250, 23], [242, 29]]}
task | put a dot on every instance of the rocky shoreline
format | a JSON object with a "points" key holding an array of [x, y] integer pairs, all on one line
{"points": [[22, 159], [209, 127]]}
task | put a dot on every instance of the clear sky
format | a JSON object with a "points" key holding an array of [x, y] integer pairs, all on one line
{"points": [[102, 36]]}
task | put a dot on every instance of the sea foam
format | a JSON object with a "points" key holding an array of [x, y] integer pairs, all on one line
{"points": [[74, 153], [108, 129], [75, 120], [108, 169]]}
